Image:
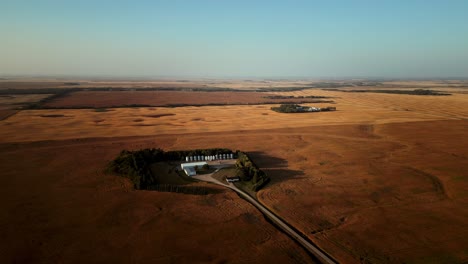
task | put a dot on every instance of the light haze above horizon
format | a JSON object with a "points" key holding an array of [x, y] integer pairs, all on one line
{"points": [[222, 39]]}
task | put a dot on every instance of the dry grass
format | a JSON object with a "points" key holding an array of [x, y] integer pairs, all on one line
{"points": [[58, 206], [234, 84], [352, 108], [18, 99], [385, 193], [10, 104], [383, 179]]}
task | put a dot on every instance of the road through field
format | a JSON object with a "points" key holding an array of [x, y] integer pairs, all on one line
{"points": [[317, 252]]}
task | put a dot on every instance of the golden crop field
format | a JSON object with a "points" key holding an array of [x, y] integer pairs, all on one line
{"points": [[382, 179]]}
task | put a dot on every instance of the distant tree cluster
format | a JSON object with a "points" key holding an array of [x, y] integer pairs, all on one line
{"points": [[288, 108], [249, 172], [295, 108]]}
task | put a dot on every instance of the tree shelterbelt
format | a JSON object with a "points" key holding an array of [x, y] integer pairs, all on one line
{"points": [[136, 165]]}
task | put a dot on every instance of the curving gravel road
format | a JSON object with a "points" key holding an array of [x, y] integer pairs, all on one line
{"points": [[317, 252]]}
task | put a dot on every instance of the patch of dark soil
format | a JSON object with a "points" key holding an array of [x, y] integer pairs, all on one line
{"points": [[158, 115], [54, 116]]}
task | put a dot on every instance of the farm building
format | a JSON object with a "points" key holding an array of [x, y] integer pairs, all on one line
{"points": [[232, 179], [210, 157], [189, 168]]}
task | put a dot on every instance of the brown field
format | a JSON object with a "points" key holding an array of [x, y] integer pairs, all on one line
{"points": [[41, 84], [58, 206], [32, 83], [382, 179], [163, 98], [352, 108], [383, 193], [10, 104]]}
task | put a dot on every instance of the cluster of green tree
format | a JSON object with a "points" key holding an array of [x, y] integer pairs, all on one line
{"points": [[294, 97], [289, 108], [249, 172], [409, 92], [135, 165]]}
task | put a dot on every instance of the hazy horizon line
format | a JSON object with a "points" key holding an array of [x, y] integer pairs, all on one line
{"points": [[245, 78]]}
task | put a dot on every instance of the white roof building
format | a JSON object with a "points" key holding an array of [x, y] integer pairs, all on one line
{"points": [[189, 168], [190, 171]]}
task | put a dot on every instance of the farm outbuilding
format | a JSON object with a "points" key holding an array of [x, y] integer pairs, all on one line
{"points": [[232, 179], [189, 168], [190, 171]]}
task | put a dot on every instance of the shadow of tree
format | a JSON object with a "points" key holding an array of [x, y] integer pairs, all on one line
{"points": [[276, 168], [263, 160], [185, 189]]}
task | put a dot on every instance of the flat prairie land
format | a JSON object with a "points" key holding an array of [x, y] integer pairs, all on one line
{"points": [[164, 98], [31, 83], [10, 104], [395, 192], [71, 83], [58, 206], [352, 108], [382, 179]]}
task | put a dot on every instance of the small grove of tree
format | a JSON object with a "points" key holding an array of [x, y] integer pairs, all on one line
{"points": [[202, 169], [135, 165], [249, 172]]}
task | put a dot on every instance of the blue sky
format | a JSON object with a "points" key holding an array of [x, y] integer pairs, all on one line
{"points": [[394, 39]]}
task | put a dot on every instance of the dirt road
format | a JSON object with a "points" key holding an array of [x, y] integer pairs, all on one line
{"points": [[317, 252]]}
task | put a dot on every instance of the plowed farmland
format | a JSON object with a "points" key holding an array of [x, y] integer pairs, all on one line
{"points": [[164, 98], [58, 206], [382, 179]]}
